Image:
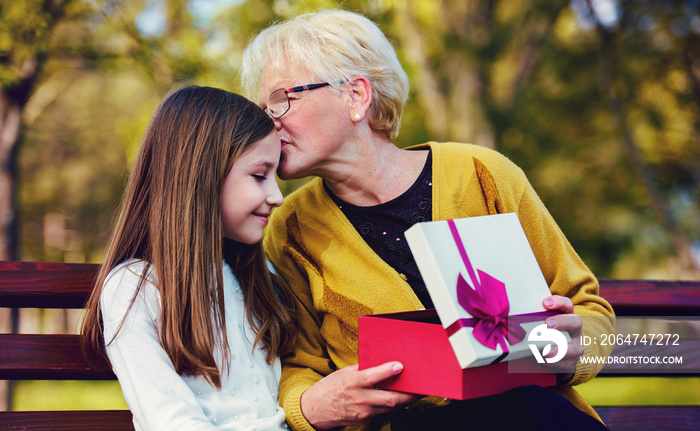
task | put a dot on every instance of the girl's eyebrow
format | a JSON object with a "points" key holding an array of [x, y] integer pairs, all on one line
{"points": [[264, 163]]}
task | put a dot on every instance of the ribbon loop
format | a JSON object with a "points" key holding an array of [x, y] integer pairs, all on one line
{"points": [[487, 303]]}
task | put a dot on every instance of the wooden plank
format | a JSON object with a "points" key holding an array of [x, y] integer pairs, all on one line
{"points": [[67, 285], [652, 297], [46, 284], [650, 418], [95, 420], [45, 357]]}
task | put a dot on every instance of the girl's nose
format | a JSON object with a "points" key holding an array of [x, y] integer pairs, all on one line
{"points": [[274, 197]]}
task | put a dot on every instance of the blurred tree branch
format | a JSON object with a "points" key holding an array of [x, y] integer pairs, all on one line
{"points": [[656, 198]]}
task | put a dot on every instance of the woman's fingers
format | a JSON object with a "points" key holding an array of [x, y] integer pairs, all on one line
{"points": [[371, 376], [558, 303], [568, 322], [349, 397]]}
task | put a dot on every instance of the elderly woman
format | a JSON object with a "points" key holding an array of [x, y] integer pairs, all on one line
{"points": [[335, 89]]}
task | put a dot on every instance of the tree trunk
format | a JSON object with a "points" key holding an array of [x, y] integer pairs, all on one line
{"points": [[449, 94], [12, 101], [10, 116], [427, 88]]}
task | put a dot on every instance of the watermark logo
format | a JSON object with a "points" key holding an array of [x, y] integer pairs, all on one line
{"points": [[540, 335]]}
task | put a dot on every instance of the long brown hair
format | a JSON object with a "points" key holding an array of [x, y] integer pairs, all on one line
{"points": [[170, 217]]}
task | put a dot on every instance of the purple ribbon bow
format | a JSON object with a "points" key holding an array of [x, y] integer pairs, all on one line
{"points": [[487, 303]]}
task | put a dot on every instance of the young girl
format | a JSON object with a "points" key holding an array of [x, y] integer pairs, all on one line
{"points": [[190, 317]]}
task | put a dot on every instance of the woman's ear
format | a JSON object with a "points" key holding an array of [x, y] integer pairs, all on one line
{"points": [[360, 92]]}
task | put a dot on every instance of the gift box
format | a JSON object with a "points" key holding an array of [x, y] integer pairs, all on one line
{"points": [[488, 290]]}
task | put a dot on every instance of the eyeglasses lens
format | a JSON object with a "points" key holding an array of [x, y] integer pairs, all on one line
{"points": [[278, 103]]}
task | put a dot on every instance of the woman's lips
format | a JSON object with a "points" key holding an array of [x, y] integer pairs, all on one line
{"points": [[284, 143]]}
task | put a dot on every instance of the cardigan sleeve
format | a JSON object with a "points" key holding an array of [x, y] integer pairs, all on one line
{"points": [[503, 187], [567, 275], [309, 362]]}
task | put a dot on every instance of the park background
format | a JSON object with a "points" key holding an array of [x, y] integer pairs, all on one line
{"points": [[597, 100]]}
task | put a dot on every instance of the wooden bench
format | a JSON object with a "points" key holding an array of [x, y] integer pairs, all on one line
{"points": [[651, 298], [58, 357], [50, 357]]}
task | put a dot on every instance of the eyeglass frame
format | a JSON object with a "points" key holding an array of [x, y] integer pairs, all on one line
{"points": [[286, 91]]}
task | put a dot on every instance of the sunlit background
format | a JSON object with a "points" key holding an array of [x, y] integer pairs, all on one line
{"points": [[597, 100]]}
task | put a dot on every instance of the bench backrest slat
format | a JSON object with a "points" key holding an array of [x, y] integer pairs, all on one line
{"points": [[95, 420], [67, 285], [652, 297], [45, 357], [46, 284]]}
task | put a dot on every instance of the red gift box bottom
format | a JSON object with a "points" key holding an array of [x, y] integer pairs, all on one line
{"points": [[420, 343]]}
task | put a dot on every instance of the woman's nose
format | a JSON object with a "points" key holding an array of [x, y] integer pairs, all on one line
{"points": [[277, 121]]}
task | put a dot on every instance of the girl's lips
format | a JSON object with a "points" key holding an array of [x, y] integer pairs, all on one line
{"points": [[262, 217], [284, 143]]}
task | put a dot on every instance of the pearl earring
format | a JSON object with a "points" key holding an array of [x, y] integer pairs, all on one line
{"points": [[357, 116]]}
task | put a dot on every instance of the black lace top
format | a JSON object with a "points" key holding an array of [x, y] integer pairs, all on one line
{"points": [[382, 227]]}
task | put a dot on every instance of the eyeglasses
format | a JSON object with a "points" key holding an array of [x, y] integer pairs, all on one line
{"points": [[278, 102]]}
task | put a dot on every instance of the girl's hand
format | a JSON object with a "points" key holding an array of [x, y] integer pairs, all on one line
{"points": [[567, 321], [348, 397]]}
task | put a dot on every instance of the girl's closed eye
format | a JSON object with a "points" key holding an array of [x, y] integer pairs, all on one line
{"points": [[260, 177]]}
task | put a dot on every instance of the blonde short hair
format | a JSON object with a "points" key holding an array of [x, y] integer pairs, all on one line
{"points": [[334, 46]]}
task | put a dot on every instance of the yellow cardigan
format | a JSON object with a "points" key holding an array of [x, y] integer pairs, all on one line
{"points": [[337, 277]]}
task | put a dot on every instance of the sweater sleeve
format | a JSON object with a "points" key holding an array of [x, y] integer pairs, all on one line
{"points": [[504, 187], [567, 275], [309, 362]]}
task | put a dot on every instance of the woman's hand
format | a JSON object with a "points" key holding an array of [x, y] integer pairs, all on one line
{"points": [[348, 397], [567, 321]]}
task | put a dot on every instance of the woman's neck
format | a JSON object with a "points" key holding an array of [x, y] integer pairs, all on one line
{"points": [[378, 174]]}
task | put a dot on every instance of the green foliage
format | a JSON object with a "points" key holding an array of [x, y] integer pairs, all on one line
{"points": [[77, 157], [23, 31], [524, 77]]}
